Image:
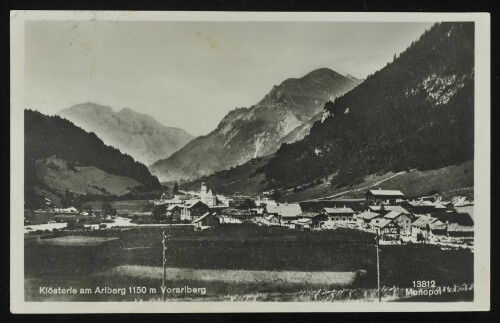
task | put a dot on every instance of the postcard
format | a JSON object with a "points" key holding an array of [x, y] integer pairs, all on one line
{"points": [[249, 162]]}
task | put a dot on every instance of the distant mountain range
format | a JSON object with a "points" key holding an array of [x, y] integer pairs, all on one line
{"points": [[284, 115], [135, 134], [417, 112], [62, 159]]}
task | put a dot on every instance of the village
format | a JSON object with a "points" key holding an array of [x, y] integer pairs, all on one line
{"points": [[394, 218]]}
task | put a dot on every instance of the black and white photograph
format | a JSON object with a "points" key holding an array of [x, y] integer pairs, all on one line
{"points": [[227, 162]]}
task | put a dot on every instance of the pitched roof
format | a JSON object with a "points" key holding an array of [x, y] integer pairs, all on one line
{"points": [[336, 210], [392, 215], [290, 210], [367, 215], [424, 220], [454, 227], [269, 217], [201, 217], [398, 208], [173, 206], [386, 192], [194, 203], [381, 223], [285, 210]]}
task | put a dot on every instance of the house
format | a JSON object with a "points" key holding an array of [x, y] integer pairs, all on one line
{"points": [[262, 204], [209, 219], [388, 230], [174, 212], [303, 223], [285, 212], [420, 207], [316, 218], [402, 219], [454, 230], [363, 220], [193, 209], [427, 227], [384, 196], [339, 214], [68, 210], [272, 219]]}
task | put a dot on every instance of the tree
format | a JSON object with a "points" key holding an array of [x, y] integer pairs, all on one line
{"points": [[276, 195], [159, 213], [175, 190], [107, 209], [88, 209]]}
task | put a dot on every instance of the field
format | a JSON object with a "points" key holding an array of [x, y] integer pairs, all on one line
{"points": [[124, 207], [254, 256], [448, 181]]}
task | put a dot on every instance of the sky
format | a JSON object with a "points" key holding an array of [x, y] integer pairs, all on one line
{"points": [[191, 74]]}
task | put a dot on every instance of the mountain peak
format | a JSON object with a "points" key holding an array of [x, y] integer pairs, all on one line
{"points": [[285, 113], [87, 106], [136, 134], [322, 72]]}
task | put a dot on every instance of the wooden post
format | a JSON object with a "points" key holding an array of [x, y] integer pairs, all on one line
{"points": [[377, 237], [164, 266]]}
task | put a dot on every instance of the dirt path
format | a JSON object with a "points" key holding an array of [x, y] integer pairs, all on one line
{"points": [[365, 187]]}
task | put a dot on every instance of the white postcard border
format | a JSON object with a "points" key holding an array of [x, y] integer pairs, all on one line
{"points": [[481, 164]]}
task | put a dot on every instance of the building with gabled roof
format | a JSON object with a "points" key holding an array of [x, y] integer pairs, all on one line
{"points": [[384, 196], [193, 209], [387, 229], [427, 226], [455, 230], [364, 219], [285, 212], [402, 219], [174, 212], [336, 214], [272, 218], [209, 219]]}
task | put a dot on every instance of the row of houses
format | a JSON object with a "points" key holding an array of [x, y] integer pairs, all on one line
{"points": [[389, 214], [391, 221]]}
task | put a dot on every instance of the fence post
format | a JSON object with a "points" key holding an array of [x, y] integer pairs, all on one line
{"points": [[378, 267], [164, 267]]}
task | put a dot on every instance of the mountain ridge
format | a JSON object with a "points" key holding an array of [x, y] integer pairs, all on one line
{"points": [[246, 133], [136, 134], [417, 112], [59, 155]]}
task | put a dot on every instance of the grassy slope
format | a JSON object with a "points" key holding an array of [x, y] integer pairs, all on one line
{"points": [[88, 180], [236, 180], [412, 183]]}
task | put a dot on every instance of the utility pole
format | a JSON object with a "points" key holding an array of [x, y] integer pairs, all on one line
{"points": [[164, 266], [377, 238], [164, 244]]}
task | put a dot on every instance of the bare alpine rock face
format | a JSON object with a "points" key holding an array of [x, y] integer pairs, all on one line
{"points": [[135, 134], [285, 114]]}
